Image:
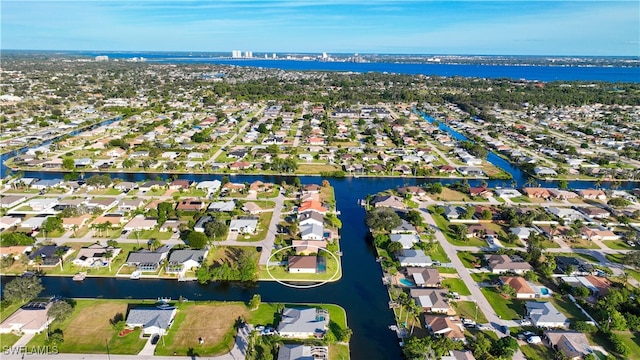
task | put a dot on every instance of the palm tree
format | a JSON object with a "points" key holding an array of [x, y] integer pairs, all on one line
{"points": [[59, 253], [74, 228], [154, 244], [416, 310], [108, 255]]}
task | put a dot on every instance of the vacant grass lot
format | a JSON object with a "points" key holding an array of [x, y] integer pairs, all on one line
{"points": [[213, 322], [7, 340], [467, 310], [507, 309], [537, 352], [88, 329], [316, 168]]}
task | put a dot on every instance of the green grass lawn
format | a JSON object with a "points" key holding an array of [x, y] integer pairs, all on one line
{"points": [[456, 285], [280, 273], [467, 310], [582, 244], [447, 270], [468, 259], [521, 200], [586, 257], [88, 330], [484, 277], [7, 310], [537, 352], [150, 234], [619, 245], [7, 340], [263, 227], [443, 225], [507, 309], [438, 254], [616, 258], [568, 308]]}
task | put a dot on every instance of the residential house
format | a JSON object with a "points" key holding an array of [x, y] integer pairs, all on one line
{"points": [[503, 263], [152, 185], [303, 323], [125, 186], [572, 344], [252, 208], [31, 318], [543, 171], [431, 300], [147, 260], [405, 227], [592, 194], [101, 203], [7, 222], [412, 190], [179, 184], [520, 285], [446, 326], [597, 233], [310, 217], [507, 193], [152, 320], [130, 204], [190, 205], [390, 201], [200, 224], [459, 355], [240, 165], [222, 206], [183, 260], [139, 222], [567, 214], [538, 193], [48, 255], [42, 205], [14, 251], [244, 225], [523, 233], [306, 247], [9, 201], [210, 186], [95, 255], [597, 286], [303, 264], [425, 277], [595, 212], [312, 205], [470, 171], [545, 315], [451, 212], [302, 352], [312, 232], [407, 240], [416, 258], [76, 221], [482, 191]]}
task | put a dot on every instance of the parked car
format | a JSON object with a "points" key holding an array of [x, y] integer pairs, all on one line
{"points": [[154, 339], [525, 322], [534, 340]]}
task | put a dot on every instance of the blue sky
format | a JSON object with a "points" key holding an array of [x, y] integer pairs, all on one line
{"points": [[518, 27]]}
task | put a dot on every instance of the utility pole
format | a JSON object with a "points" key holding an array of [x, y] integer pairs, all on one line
{"points": [[108, 355]]}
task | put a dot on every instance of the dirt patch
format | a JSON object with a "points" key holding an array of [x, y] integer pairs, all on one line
{"points": [[207, 321]]}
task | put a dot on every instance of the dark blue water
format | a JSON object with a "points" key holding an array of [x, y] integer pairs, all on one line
{"points": [[533, 73]]}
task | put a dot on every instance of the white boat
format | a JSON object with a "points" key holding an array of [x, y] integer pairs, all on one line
{"points": [[135, 275], [79, 276]]}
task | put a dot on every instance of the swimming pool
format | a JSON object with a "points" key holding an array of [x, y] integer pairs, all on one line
{"points": [[544, 291], [406, 282]]}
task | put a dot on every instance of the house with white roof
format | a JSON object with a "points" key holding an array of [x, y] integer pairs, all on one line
{"points": [[244, 225], [415, 258], [312, 232], [545, 315], [152, 320], [407, 240], [303, 323], [209, 186]]}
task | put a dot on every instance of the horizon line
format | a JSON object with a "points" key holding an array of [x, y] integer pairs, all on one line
{"points": [[319, 53]]}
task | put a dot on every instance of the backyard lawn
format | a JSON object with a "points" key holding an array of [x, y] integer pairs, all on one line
{"points": [[537, 352], [456, 285], [506, 309], [469, 259], [7, 340]]}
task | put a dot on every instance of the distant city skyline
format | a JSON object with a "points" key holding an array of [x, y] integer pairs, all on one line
{"points": [[573, 28]]}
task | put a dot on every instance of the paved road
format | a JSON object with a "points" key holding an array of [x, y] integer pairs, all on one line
{"points": [[481, 301], [267, 243]]}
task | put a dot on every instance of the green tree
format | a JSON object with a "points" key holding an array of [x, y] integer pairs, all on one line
{"points": [[215, 229], [383, 218], [23, 289], [344, 335], [394, 246], [459, 231], [508, 290], [255, 301], [68, 163], [60, 310], [197, 240]]}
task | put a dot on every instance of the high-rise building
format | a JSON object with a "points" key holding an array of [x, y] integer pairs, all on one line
{"points": [[248, 54], [236, 54], [102, 58]]}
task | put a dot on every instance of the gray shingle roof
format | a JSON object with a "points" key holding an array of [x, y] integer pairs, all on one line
{"points": [[308, 320], [180, 256], [148, 317]]}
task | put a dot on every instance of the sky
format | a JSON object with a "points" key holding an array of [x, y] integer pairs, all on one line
{"points": [[507, 27]]}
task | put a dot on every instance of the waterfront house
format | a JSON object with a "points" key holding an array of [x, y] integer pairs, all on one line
{"points": [[416, 258], [538, 193], [183, 260], [210, 186], [431, 300], [302, 352], [31, 318], [302, 264], [14, 251], [412, 190], [48, 255], [503, 263], [545, 315], [125, 186], [179, 184], [152, 320], [572, 344], [446, 326], [390, 201], [147, 260], [405, 227], [312, 205], [152, 185], [543, 171], [310, 217], [303, 323], [520, 285], [407, 240], [95, 256], [424, 277], [311, 232]]}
